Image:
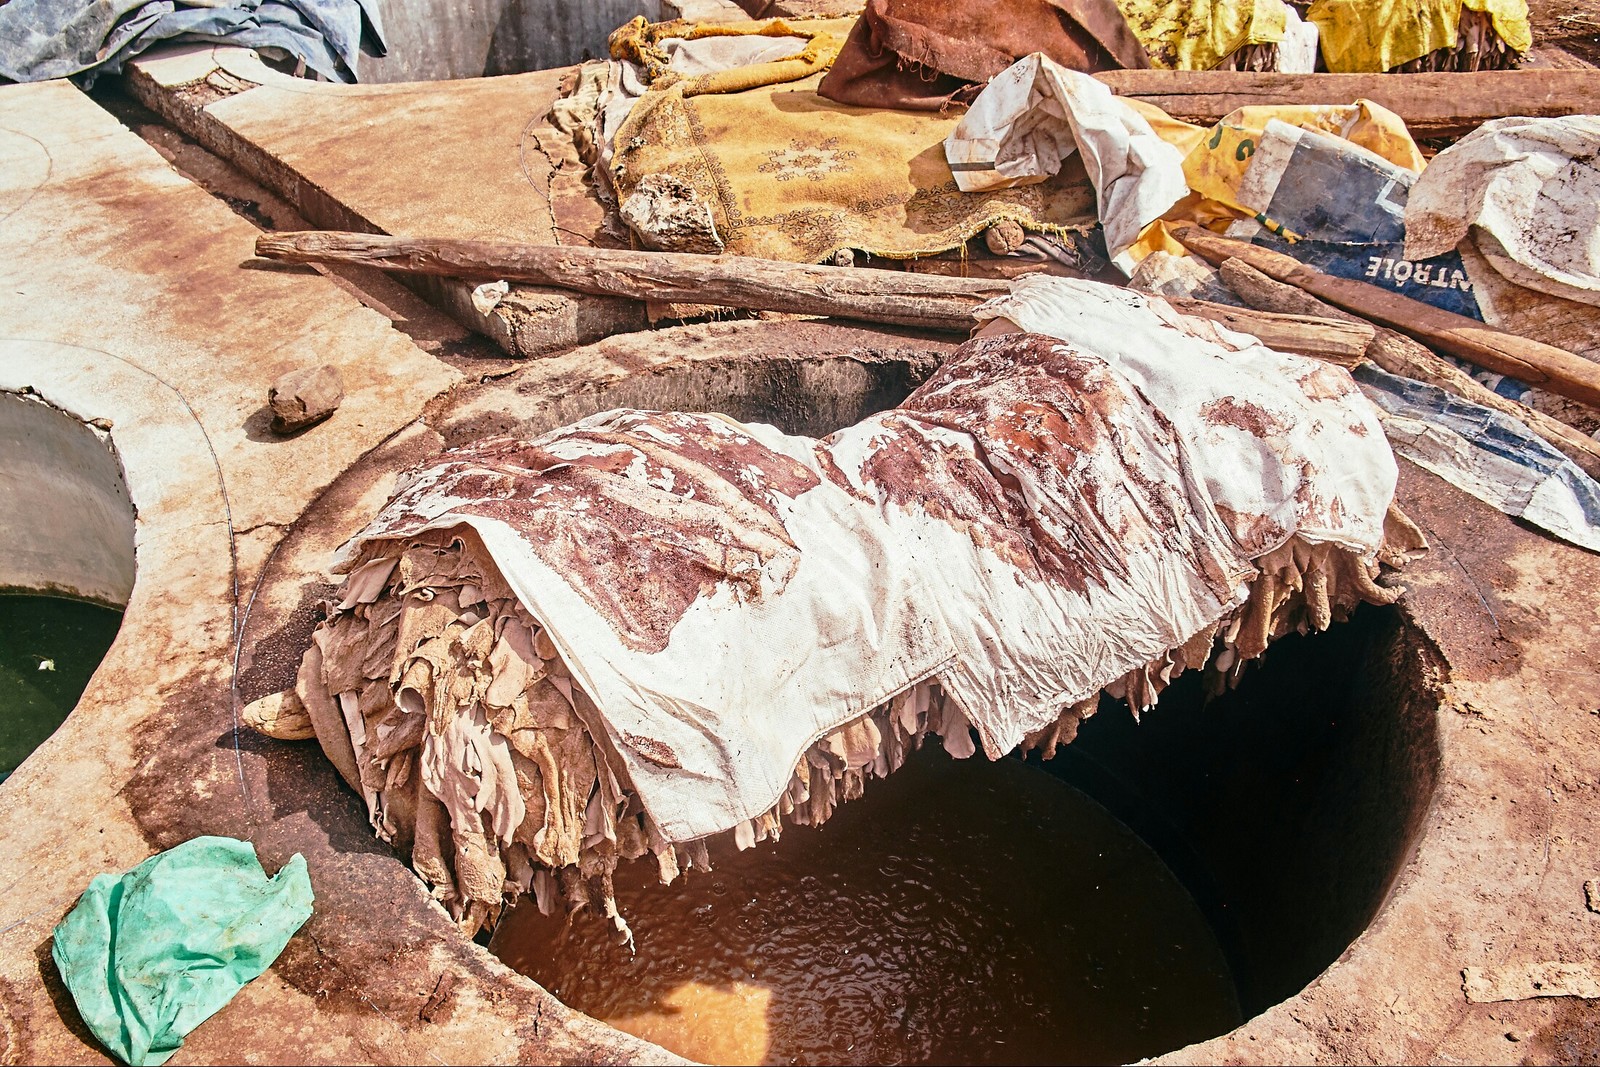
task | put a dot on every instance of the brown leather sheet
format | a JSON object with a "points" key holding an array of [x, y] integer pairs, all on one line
{"points": [[928, 54]]}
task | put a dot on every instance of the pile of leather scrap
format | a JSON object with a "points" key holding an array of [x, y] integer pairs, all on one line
{"points": [[1256, 35], [645, 629], [815, 140]]}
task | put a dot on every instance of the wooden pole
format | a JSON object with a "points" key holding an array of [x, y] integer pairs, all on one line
{"points": [[1522, 358], [1328, 338], [894, 297], [887, 296], [1400, 355]]}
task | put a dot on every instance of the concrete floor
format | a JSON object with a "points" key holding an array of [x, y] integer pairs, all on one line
{"points": [[127, 296]]}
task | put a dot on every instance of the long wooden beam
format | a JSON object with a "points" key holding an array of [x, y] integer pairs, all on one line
{"points": [[896, 297], [1432, 105], [924, 300], [1522, 358]]}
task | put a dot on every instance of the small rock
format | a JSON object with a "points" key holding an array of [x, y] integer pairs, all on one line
{"points": [[303, 398], [1004, 237], [667, 215], [280, 715], [1591, 895]]}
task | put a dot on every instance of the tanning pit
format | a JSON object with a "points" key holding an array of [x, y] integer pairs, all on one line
{"points": [[66, 569], [1153, 884]]}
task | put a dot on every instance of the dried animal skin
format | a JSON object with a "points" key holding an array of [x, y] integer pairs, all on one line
{"points": [[1061, 732], [513, 665], [366, 582], [434, 846], [565, 759], [513, 795], [473, 740]]}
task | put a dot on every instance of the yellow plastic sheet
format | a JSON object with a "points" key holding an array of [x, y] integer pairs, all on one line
{"points": [[1200, 34], [1214, 160], [1371, 36]]}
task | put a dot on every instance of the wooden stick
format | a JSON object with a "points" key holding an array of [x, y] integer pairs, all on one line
{"points": [[895, 297], [1400, 355], [1334, 339], [927, 301], [1522, 358], [1432, 105]]}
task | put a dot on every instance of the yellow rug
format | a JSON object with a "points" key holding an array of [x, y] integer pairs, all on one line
{"points": [[790, 175]]}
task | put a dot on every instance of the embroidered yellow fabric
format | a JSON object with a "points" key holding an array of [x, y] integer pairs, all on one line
{"points": [[790, 175]]}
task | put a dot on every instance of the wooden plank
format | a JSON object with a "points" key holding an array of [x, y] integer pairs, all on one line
{"points": [[1333, 339], [1432, 105], [348, 157], [1522, 358]]}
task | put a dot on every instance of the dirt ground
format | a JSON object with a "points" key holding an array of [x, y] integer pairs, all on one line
{"points": [[1566, 33]]}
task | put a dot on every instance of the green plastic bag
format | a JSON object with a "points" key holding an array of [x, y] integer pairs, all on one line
{"points": [[152, 954]]}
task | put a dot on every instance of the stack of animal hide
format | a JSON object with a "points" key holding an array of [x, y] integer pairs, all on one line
{"points": [[647, 629]]}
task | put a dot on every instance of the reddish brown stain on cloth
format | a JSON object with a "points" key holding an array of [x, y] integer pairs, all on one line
{"points": [[658, 509], [1025, 402], [1243, 415]]}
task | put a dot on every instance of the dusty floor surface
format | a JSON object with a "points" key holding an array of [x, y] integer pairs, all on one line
{"points": [[234, 524], [1566, 33]]}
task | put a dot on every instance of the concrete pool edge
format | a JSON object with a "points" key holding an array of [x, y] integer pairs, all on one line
{"points": [[368, 979]]}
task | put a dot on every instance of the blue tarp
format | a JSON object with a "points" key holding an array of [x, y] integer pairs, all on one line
{"points": [[42, 39], [1489, 455]]}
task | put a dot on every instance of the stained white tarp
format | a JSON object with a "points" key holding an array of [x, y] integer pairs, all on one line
{"points": [[1286, 444], [1489, 455], [1035, 522], [1035, 114], [1531, 187]]}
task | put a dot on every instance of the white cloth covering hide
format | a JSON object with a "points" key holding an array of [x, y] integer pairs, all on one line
{"points": [[1043, 516]]}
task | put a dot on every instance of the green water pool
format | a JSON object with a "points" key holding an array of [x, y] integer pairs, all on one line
{"points": [[49, 647]]}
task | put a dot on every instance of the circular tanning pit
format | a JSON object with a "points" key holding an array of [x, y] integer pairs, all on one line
{"points": [[66, 569], [959, 912], [1153, 885]]}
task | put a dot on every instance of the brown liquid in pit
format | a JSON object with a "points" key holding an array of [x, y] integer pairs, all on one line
{"points": [[962, 911]]}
